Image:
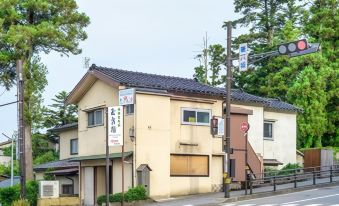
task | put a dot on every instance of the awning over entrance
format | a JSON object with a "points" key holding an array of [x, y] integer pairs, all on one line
{"points": [[272, 162], [71, 171], [103, 156]]}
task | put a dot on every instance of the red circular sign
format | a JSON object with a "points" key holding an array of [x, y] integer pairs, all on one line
{"points": [[244, 126]]}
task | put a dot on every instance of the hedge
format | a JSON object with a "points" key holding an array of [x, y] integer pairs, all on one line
{"points": [[10, 194], [133, 194]]}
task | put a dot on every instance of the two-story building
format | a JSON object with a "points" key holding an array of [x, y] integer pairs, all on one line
{"points": [[167, 131]]}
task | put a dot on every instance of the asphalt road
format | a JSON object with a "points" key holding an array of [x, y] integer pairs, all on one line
{"points": [[327, 196]]}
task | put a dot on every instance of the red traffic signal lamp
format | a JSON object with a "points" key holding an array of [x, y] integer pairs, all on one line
{"points": [[293, 47]]}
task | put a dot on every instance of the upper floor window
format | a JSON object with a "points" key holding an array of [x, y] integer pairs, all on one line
{"points": [[74, 146], [196, 116], [95, 118], [129, 109], [268, 130]]}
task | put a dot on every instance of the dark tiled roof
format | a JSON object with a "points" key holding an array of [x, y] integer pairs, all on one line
{"points": [[177, 84], [280, 105], [64, 127], [66, 163], [153, 81]]}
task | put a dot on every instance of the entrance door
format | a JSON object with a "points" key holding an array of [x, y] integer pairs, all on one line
{"points": [[89, 186]]}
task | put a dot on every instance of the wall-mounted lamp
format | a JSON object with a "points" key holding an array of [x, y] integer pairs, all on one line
{"points": [[131, 134]]}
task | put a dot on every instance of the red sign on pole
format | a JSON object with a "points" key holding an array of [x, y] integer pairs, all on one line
{"points": [[244, 126]]}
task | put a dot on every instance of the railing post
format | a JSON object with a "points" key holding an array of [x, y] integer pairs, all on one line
{"points": [[246, 184], [331, 174], [314, 176], [274, 185], [251, 185], [295, 178]]}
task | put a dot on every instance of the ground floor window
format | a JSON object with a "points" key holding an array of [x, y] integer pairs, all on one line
{"points": [[189, 165], [67, 189]]}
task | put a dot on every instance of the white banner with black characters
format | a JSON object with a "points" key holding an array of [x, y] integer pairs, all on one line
{"points": [[115, 126]]}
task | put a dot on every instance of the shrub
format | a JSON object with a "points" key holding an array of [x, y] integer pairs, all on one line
{"points": [[117, 197], [137, 193], [10, 194], [32, 192], [20, 203], [133, 194]]}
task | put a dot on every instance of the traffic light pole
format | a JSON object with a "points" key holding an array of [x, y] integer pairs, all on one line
{"points": [[227, 131]]}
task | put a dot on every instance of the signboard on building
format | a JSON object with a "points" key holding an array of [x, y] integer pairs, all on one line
{"points": [[115, 126], [126, 96], [243, 57], [221, 126]]}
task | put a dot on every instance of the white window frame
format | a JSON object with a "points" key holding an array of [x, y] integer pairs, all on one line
{"points": [[195, 110], [272, 123], [94, 112]]}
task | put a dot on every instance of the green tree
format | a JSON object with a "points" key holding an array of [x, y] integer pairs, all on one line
{"points": [[59, 113], [28, 27], [216, 62]]}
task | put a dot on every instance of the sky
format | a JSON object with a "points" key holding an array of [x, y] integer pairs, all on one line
{"points": [[152, 36]]}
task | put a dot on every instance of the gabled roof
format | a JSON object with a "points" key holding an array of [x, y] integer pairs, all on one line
{"points": [[118, 77], [64, 127], [154, 81]]}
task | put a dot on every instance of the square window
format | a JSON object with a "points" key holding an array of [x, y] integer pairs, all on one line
{"points": [[268, 130], [74, 146], [90, 118], [130, 109], [189, 116], [196, 116], [203, 117], [95, 118]]}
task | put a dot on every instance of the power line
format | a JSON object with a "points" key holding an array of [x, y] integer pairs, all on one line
{"points": [[2, 105]]}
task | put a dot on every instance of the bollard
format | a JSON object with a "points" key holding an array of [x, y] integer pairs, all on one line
{"points": [[331, 174], [274, 185]]}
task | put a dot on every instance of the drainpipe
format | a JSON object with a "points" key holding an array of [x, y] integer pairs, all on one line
{"points": [[72, 183]]}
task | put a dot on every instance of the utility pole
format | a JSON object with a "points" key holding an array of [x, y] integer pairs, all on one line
{"points": [[227, 131], [205, 53], [21, 129]]}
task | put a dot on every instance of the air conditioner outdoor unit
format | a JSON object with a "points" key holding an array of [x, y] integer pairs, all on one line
{"points": [[49, 189]]}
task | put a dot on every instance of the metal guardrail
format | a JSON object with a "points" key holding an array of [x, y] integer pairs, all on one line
{"points": [[295, 176]]}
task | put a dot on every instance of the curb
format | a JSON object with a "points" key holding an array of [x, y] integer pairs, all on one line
{"points": [[280, 192]]}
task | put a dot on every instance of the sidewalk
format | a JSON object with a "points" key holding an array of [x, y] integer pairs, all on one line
{"points": [[218, 197]]}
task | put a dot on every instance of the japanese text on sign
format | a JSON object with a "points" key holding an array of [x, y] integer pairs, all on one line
{"points": [[115, 126]]}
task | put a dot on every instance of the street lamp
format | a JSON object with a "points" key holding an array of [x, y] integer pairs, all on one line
{"points": [[12, 139]]}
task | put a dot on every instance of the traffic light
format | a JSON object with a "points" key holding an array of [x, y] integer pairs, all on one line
{"points": [[293, 47]]}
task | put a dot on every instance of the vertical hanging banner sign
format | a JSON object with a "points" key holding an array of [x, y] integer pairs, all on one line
{"points": [[126, 96], [115, 126], [243, 57]]}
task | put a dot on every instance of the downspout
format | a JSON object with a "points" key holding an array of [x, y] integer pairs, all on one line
{"points": [[72, 183]]}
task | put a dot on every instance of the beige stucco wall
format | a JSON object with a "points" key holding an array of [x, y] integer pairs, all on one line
{"points": [[206, 145], [65, 143], [153, 140], [283, 146], [92, 139]]}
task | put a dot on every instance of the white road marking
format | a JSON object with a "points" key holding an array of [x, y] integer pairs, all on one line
{"points": [[187, 205], [291, 205], [314, 205], [315, 198], [268, 205], [228, 205], [247, 205]]}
